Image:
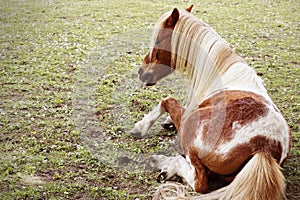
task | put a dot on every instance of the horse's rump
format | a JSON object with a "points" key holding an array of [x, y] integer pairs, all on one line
{"points": [[229, 127]]}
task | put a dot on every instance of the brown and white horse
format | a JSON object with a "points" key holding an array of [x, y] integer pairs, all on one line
{"points": [[229, 127]]}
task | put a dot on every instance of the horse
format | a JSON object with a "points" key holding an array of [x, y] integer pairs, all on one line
{"points": [[229, 126]]}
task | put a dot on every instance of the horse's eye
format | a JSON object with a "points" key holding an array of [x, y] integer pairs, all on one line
{"points": [[157, 42]]}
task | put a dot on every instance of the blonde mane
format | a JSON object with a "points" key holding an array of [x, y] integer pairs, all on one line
{"points": [[206, 58]]}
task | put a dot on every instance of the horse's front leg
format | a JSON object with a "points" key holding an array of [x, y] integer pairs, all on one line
{"points": [[141, 127], [175, 110], [169, 105]]}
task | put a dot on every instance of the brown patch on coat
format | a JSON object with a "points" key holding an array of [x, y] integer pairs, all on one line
{"points": [[218, 114], [239, 106]]}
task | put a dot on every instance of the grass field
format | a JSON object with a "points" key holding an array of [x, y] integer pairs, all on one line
{"points": [[70, 93]]}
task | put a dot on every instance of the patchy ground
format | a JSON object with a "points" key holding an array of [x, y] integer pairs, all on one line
{"points": [[69, 90]]}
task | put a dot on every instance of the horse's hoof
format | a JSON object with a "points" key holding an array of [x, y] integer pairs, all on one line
{"points": [[152, 162], [162, 177], [135, 133], [168, 126]]}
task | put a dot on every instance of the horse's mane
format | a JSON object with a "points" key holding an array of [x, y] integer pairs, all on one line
{"points": [[195, 41], [201, 53]]}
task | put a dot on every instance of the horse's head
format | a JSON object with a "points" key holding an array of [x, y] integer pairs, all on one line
{"points": [[157, 63]]}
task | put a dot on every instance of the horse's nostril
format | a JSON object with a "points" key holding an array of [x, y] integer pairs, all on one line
{"points": [[147, 76], [140, 71]]}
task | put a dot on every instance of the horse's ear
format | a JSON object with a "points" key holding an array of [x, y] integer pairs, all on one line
{"points": [[189, 9], [172, 20]]}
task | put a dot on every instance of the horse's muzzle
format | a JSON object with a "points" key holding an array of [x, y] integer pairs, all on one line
{"points": [[147, 78]]}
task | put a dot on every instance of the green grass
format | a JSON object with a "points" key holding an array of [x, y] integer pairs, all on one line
{"points": [[69, 90]]}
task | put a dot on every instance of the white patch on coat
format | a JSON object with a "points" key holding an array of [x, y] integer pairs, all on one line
{"points": [[236, 126], [204, 148], [187, 172]]}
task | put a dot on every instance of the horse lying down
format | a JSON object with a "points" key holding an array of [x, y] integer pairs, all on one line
{"points": [[229, 127]]}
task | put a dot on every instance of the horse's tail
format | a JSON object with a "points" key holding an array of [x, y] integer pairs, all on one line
{"points": [[260, 179]]}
